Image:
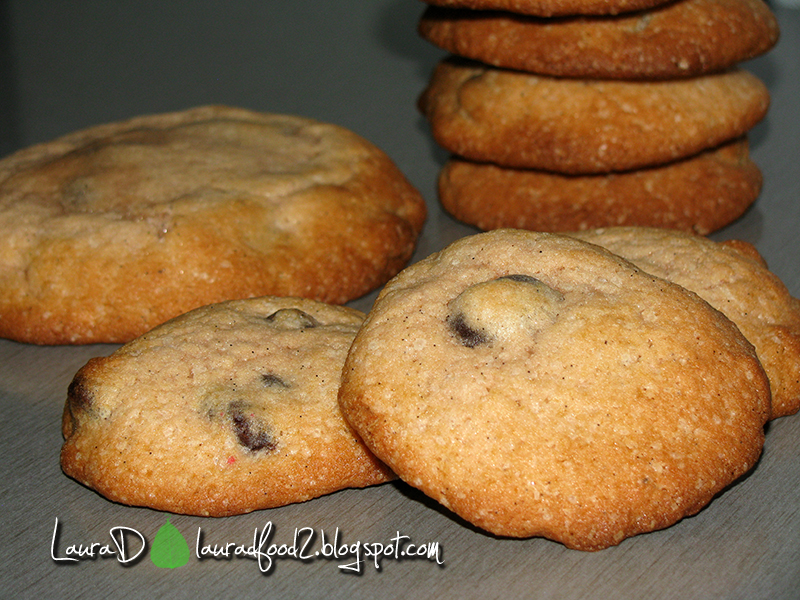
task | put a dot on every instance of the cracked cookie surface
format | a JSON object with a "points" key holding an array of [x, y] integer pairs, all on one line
{"points": [[538, 385], [224, 410]]}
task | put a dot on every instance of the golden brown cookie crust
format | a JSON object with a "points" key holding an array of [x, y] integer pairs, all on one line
{"points": [[732, 277], [110, 231], [573, 126], [700, 194], [572, 397], [680, 39], [550, 8], [225, 410]]}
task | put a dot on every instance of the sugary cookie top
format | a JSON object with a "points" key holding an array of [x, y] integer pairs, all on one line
{"points": [[227, 409], [679, 39], [701, 194], [538, 385], [583, 126]]}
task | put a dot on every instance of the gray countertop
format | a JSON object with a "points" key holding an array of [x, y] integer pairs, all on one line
{"points": [[360, 64]]}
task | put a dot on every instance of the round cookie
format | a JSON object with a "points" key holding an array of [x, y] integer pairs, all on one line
{"points": [[110, 231], [552, 8], [227, 409], [733, 278], [680, 39], [538, 385], [571, 126], [701, 194]]}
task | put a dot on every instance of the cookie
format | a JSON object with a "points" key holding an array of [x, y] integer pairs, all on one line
{"points": [[227, 409], [551, 8], [732, 277], [110, 231], [571, 126], [700, 194], [680, 39], [537, 385]]}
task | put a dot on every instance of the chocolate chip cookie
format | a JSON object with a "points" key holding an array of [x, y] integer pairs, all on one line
{"points": [[679, 39], [110, 231], [701, 194], [575, 126], [227, 409], [538, 385]]}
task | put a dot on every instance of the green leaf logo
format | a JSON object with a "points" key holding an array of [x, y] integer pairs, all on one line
{"points": [[169, 550]]}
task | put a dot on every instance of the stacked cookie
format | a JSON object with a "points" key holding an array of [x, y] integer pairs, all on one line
{"points": [[567, 115]]}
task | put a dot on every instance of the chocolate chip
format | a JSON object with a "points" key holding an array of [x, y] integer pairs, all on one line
{"points": [[251, 432], [292, 318], [79, 396], [466, 335], [521, 278], [511, 307], [74, 196], [271, 380]]}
